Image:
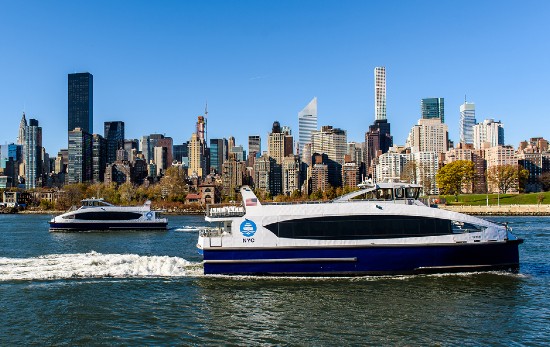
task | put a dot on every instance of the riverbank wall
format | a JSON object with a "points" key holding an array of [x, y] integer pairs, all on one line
{"points": [[502, 210]]}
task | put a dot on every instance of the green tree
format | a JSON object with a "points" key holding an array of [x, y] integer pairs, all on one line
{"points": [[316, 195], [297, 194], [453, 176], [506, 177]]}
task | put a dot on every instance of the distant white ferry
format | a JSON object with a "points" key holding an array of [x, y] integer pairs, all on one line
{"points": [[97, 214], [388, 232]]}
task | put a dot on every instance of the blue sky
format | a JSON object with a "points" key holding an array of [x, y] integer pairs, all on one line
{"points": [[155, 64]]}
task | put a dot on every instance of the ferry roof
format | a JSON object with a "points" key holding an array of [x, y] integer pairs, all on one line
{"points": [[98, 201]]}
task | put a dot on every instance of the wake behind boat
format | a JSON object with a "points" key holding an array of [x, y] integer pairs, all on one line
{"points": [[97, 214], [388, 232]]}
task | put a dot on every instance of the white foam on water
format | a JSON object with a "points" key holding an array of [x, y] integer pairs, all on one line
{"points": [[92, 265], [187, 228]]}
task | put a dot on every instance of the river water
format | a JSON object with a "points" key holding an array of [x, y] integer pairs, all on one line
{"points": [[147, 288]]}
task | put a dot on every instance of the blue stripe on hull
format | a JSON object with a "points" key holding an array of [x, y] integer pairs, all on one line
{"points": [[370, 260], [106, 226]]}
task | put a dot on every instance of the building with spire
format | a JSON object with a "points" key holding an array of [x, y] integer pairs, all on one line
{"points": [[21, 135], [307, 123]]}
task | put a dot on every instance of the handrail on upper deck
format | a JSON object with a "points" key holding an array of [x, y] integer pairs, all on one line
{"points": [[225, 210]]}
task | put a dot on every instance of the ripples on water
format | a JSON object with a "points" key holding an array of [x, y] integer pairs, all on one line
{"points": [[147, 288]]}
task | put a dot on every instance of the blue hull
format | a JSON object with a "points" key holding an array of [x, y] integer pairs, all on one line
{"points": [[364, 260], [106, 226]]}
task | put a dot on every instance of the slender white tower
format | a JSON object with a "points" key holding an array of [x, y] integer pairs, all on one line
{"points": [[380, 93]]}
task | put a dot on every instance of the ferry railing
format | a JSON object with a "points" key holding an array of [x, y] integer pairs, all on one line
{"points": [[225, 210]]}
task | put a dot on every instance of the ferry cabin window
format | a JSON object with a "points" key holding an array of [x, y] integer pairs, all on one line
{"points": [[384, 194], [462, 227], [412, 192], [360, 227], [399, 193]]}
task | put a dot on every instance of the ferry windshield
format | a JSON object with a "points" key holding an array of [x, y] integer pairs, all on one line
{"points": [[412, 192], [399, 193], [384, 194]]}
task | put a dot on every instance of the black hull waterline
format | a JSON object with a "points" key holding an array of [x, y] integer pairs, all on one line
{"points": [[107, 226]]}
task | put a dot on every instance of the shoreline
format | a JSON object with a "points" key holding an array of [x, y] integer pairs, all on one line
{"points": [[502, 210]]}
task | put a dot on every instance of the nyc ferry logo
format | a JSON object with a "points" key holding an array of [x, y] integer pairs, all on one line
{"points": [[248, 228]]}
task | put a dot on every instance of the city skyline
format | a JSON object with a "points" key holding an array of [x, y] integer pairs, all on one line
{"points": [[146, 73]]}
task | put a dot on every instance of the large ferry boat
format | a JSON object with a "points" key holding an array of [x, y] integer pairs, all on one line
{"points": [[97, 214], [380, 229]]}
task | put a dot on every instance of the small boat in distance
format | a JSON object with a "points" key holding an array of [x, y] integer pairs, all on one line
{"points": [[387, 232], [99, 215]]}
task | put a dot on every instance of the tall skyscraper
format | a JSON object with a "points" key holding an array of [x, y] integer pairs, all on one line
{"points": [[196, 156], [488, 132], [99, 158], [81, 101], [32, 153], [148, 144], [291, 174], [255, 145], [433, 108], [21, 135], [467, 122], [201, 128], [378, 139], [279, 142], [114, 135], [307, 123], [80, 156], [218, 154], [332, 142], [167, 143], [380, 93], [181, 152], [429, 135]]}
